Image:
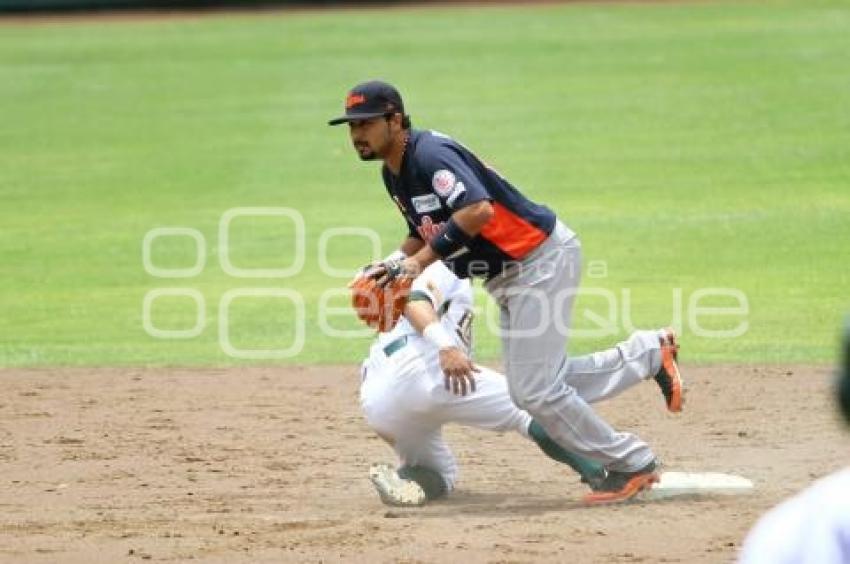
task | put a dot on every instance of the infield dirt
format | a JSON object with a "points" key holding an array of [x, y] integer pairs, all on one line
{"points": [[270, 464]]}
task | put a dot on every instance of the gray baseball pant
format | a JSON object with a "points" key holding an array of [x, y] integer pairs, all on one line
{"points": [[536, 297]]}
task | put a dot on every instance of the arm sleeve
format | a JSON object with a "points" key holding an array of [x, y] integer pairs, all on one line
{"points": [[437, 283], [451, 177]]}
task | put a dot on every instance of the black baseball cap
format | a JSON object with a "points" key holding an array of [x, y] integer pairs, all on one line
{"points": [[369, 100]]}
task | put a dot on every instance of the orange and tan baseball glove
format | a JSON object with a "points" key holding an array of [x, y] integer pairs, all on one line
{"points": [[380, 307]]}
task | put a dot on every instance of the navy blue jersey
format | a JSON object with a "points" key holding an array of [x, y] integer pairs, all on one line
{"points": [[439, 176]]}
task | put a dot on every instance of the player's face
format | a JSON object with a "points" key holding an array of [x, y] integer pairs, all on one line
{"points": [[371, 137]]}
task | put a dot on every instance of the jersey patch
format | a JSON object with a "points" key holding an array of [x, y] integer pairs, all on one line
{"points": [[443, 182], [457, 192], [426, 203], [428, 230]]}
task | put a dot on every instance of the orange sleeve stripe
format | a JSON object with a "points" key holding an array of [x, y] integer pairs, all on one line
{"points": [[512, 234]]}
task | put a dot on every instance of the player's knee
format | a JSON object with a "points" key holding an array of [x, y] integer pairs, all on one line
{"points": [[387, 438], [533, 384], [378, 425], [535, 401], [530, 402], [382, 431]]}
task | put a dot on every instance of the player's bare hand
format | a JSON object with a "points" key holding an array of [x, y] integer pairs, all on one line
{"points": [[458, 370]]}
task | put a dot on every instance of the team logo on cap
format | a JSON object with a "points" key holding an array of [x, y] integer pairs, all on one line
{"points": [[443, 182], [354, 99]]}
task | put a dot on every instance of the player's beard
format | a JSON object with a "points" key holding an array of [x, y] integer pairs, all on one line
{"points": [[372, 151], [365, 152]]}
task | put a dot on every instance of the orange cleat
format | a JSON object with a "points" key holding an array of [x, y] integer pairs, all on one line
{"points": [[669, 378], [623, 486]]}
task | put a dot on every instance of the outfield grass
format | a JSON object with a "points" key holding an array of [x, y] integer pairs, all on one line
{"points": [[691, 146]]}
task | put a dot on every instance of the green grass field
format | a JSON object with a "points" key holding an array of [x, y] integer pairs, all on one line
{"points": [[690, 145]]}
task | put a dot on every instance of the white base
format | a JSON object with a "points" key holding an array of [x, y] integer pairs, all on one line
{"points": [[698, 483]]}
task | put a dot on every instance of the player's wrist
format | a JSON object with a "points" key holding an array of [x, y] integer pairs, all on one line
{"points": [[411, 267], [395, 255], [436, 334], [450, 239]]}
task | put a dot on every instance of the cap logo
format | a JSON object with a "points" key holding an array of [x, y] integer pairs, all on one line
{"points": [[353, 100]]}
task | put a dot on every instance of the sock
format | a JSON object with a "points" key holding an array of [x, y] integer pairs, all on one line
{"points": [[589, 470], [429, 480]]}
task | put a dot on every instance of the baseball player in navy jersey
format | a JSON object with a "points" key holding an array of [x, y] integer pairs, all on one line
{"points": [[407, 400], [464, 213]]}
